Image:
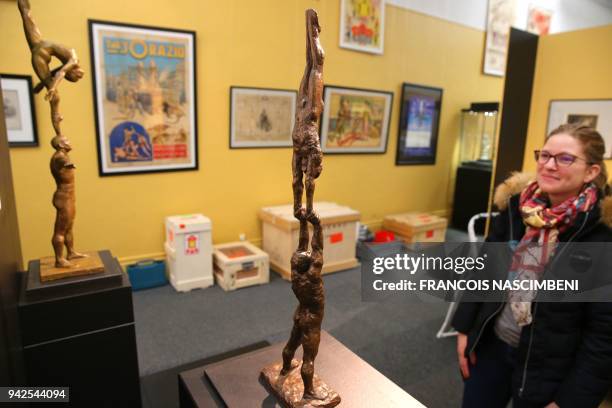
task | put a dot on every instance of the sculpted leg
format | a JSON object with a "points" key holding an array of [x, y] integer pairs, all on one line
{"points": [[298, 186], [289, 350], [311, 348], [69, 241], [58, 241], [56, 117]]}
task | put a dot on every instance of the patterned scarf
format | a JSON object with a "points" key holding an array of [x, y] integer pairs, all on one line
{"points": [[544, 224]]}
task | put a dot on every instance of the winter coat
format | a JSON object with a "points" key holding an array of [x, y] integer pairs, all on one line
{"points": [[565, 354]]}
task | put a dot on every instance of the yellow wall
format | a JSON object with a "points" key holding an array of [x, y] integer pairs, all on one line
{"points": [[246, 43], [573, 65]]}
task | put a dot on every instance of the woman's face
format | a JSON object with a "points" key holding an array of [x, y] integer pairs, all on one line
{"points": [[565, 181]]}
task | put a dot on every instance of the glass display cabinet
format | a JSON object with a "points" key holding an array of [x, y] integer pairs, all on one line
{"points": [[476, 152]]}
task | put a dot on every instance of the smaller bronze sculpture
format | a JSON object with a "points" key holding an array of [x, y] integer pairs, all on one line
{"points": [[42, 53], [62, 170], [306, 390]]}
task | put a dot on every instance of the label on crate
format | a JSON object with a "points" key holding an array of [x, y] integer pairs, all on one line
{"points": [[335, 238], [192, 244]]}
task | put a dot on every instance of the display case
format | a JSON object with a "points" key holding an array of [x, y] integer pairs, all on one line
{"points": [[476, 154], [478, 126]]}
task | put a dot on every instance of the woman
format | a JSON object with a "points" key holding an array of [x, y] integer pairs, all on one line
{"points": [[544, 354]]}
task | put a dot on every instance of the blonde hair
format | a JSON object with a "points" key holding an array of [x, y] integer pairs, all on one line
{"points": [[594, 149]]}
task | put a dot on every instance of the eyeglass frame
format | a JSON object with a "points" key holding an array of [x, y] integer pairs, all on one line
{"points": [[537, 153]]}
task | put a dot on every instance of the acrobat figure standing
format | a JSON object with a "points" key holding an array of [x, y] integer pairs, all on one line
{"points": [[306, 265], [307, 155], [42, 52], [64, 202], [307, 286]]}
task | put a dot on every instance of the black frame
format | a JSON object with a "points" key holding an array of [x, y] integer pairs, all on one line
{"points": [[34, 142], [90, 24], [361, 90], [408, 89], [231, 103]]}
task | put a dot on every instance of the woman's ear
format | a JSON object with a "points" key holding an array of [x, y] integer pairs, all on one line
{"points": [[592, 173]]}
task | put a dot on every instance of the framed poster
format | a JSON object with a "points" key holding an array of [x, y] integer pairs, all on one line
{"points": [[500, 15], [145, 101], [261, 117], [417, 136], [19, 112], [538, 20], [596, 113], [362, 25], [355, 120]]}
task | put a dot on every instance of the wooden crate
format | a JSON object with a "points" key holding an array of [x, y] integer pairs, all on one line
{"points": [[281, 230], [416, 227], [240, 264]]}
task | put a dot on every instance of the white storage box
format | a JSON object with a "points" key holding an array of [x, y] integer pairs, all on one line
{"points": [[281, 229], [189, 251], [240, 264]]}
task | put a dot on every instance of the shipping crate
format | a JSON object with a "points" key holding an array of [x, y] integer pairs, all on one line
{"points": [[189, 251], [281, 229], [416, 227], [240, 264]]}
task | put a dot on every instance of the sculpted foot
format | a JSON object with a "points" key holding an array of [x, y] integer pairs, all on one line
{"points": [[314, 395], [286, 370], [62, 263], [76, 255]]}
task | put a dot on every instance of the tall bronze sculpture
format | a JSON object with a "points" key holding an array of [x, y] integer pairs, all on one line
{"points": [[62, 167], [305, 389]]}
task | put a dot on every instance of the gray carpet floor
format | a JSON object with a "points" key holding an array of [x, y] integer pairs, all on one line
{"points": [[396, 335]]}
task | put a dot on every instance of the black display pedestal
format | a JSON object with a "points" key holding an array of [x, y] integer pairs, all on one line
{"points": [[471, 194], [235, 382], [79, 333]]}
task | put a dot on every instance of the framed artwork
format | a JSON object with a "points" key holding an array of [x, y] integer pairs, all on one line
{"points": [[144, 86], [355, 120], [261, 117], [417, 136], [19, 112], [538, 20], [500, 15], [596, 113], [362, 25]]}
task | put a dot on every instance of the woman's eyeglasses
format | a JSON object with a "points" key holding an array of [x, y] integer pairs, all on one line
{"points": [[561, 159]]}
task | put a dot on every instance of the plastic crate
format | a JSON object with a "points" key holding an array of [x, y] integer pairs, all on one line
{"points": [[147, 274]]}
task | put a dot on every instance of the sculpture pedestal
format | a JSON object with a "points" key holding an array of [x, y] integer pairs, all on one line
{"points": [[80, 266], [233, 382], [289, 388]]}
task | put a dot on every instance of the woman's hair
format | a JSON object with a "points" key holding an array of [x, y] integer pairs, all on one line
{"points": [[594, 149]]}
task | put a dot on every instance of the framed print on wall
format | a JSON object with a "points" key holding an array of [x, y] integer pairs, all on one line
{"points": [[19, 112], [417, 136], [362, 25], [144, 85], [596, 113], [261, 117], [355, 120], [500, 15]]}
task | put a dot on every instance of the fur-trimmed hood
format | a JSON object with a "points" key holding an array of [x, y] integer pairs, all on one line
{"points": [[518, 181]]}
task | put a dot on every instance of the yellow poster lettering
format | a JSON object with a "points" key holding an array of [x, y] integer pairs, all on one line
{"points": [[138, 49]]}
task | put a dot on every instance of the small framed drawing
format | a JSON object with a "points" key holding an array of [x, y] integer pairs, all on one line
{"points": [[417, 135], [19, 112], [362, 25], [144, 81], [261, 117], [596, 113], [355, 120]]}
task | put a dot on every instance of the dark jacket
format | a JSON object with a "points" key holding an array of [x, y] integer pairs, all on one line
{"points": [[565, 355]]}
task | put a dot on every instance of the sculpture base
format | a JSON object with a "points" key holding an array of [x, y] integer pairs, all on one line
{"points": [[288, 389], [80, 266]]}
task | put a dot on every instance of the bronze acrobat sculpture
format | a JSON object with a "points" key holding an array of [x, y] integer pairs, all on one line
{"points": [[306, 265], [62, 168]]}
